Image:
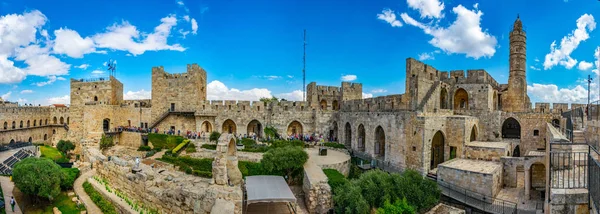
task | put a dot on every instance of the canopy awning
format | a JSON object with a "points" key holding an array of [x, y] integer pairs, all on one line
{"points": [[268, 188]]}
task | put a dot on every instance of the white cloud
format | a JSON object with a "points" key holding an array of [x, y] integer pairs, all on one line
{"points": [[376, 91], [349, 77], [83, 66], [366, 95], [97, 72], [463, 36], [535, 68], [295, 95], [186, 18], [26, 91], [9, 73], [6, 96], [21, 100], [69, 42], [126, 37], [180, 3], [19, 30], [194, 26], [583, 65], [426, 56], [536, 59], [218, 91], [290, 76], [51, 79], [271, 77], [137, 95], [389, 16], [428, 8], [58, 100], [551, 93], [562, 54]]}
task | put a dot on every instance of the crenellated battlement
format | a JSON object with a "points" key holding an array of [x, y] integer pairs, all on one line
{"points": [[382, 103], [556, 107], [252, 106]]}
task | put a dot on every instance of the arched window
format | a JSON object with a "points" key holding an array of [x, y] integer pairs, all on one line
{"points": [[95, 99], [461, 99]]}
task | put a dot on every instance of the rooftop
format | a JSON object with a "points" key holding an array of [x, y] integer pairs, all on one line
{"points": [[499, 145], [478, 166]]}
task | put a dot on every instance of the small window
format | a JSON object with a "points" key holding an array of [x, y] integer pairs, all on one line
{"points": [[244, 108], [285, 108], [258, 108], [414, 148], [229, 107], [536, 132], [452, 152]]}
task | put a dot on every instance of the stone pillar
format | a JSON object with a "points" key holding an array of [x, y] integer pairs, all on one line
{"points": [[527, 182]]}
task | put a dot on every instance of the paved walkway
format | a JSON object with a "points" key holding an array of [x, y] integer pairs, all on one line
{"points": [[83, 196], [7, 189]]}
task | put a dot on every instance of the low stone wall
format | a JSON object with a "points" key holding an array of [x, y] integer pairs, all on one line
{"points": [[342, 167], [102, 190], [481, 151], [317, 192], [165, 190], [568, 201], [483, 177], [242, 156], [129, 139]]}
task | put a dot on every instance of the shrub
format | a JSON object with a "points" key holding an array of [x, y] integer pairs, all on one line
{"points": [[63, 160], [180, 146], [191, 148], [334, 145], [202, 173], [420, 192], [65, 146], [248, 142], [163, 141], [271, 132], [250, 168], [209, 146], [399, 207], [150, 153], [285, 160], [106, 206], [285, 143], [376, 187], [144, 148], [334, 178], [214, 136], [355, 172], [204, 164], [106, 142], [256, 148], [70, 175], [38, 176], [348, 199]]}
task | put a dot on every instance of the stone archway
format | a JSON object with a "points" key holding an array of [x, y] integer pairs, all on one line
{"points": [[538, 175], [335, 105], [294, 128], [333, 133], [348, 135], [54, 120], [511, 128], [437, 149], [461, 99], [34, 123], [473, 134], [206, 127], [106, 124], [444, 99], [5, 125], [379, 142], [361, 137], [12, 141], [229, 127], [517, 151], [13, 125], [231, 148], [28, 124], [62, 120], [323, 105], [30, 140], [21, 124], [254, 128]]}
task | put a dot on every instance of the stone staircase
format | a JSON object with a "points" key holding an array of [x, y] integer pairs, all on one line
{"points": [[428, 95], [160, 118], [578, 137]]}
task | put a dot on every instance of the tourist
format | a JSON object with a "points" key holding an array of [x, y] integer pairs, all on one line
{"points": [[12, 203]]}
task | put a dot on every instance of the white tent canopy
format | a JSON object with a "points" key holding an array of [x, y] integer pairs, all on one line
{"points": [[267, 188]]}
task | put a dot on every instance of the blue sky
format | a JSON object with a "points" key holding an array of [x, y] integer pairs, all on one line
{"points": [[252, 49]]}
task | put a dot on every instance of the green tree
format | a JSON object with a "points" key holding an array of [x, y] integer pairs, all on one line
{"points": [[271, 132], [269, 100], [214, 136], [284, 160], [39, 177], [106, 142], [420, 192], [376, 187], [399, 207], [348, 199], [65, 146]]}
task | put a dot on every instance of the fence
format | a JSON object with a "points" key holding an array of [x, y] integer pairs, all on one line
{"points": [[377, 162], [568, 168], [477, 200]]}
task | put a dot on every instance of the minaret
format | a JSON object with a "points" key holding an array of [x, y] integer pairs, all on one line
{"points": [[516, 100]]}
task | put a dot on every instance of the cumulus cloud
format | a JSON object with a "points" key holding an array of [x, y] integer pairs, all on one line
{"points": [[561, 54], [535, 68], [428, 8], [126, 37], [218, 91], [83, 66], [426, 56], [463, 36], [69, 42], [137, 95], [366, 95], [551, 93], [583, 65], [271, 77], [389, 16], [97, 72], [58, 100], [26, 91], [295, 95], [194, 26], [6, 96], [51, 79], [377, 91], [348, 78]]}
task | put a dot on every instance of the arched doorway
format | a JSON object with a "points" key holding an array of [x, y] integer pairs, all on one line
{"points": [[106, 124], [323, 105], [379, 142], [537, 176], [30, 140], [5, 125], [12, 141], [444, 99], [46, 121], [255, 128], [473, 134], [21, 124], [45, 137], [556, 123], [333, 133], [437, 149], [95, 99], [294, 128], [361, 138], [28, 124], [229, 127], [13, 125], [517, 151], [348, 135], [511, 129], [461, 99], [54, 120], [62, 120], [206, 127], [34, 123], [335, 105]]}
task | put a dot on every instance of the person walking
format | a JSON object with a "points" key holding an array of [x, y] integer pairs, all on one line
{"points": [[12, 203]]}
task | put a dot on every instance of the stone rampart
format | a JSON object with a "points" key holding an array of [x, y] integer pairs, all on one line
{"points": [[317, 192]]}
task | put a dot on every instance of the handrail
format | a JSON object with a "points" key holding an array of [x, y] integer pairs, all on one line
{"points": [[477, 200]]}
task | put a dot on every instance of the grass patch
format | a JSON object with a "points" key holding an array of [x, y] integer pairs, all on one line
{"points": [[3, 211], [334, 145], [51, 152], [62, 202], [196, 166], [106, 206], [334, 178], [164, 141], [209, 146]]}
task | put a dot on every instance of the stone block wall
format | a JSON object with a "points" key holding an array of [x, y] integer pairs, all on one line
{"points": [[317, 192], [482, 183], [186, 90], [486, 153], [129, 139]]}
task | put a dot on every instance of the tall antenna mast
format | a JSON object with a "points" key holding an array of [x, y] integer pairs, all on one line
{"points": [[589, 79], [304, 69]]}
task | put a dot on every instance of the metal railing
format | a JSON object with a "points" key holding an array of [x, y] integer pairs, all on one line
{"points": [[378, 163], [568, 168], [594, 174], [476, 200]]}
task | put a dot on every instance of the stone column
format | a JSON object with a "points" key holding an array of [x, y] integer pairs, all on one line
{"points": [[527, 182]]}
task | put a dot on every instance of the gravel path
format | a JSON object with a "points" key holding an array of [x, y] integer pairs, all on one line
{"points": [[7, 189], [83, 196]]}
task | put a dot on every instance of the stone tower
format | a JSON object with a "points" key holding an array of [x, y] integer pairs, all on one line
{"points": [[516, 99]]}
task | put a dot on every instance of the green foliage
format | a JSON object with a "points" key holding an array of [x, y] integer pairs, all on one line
{"points": [[399, 207], [150, 153], [189, 165], [335, 178], [348, 199], [334, 145], [284, 160], [202, 173], [251, 146], [355, 172], [214, 136], [269, 100], [38, 176], [375, 186], [191, 148], [209, 146], [271, 132], [180, 146], [106, 206], [285, 143], [250, 168], [420, 192], [163, 141], [106, 142], [63, 160], [50, 152], [65, 146], [70, 175], [144, 148]]}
